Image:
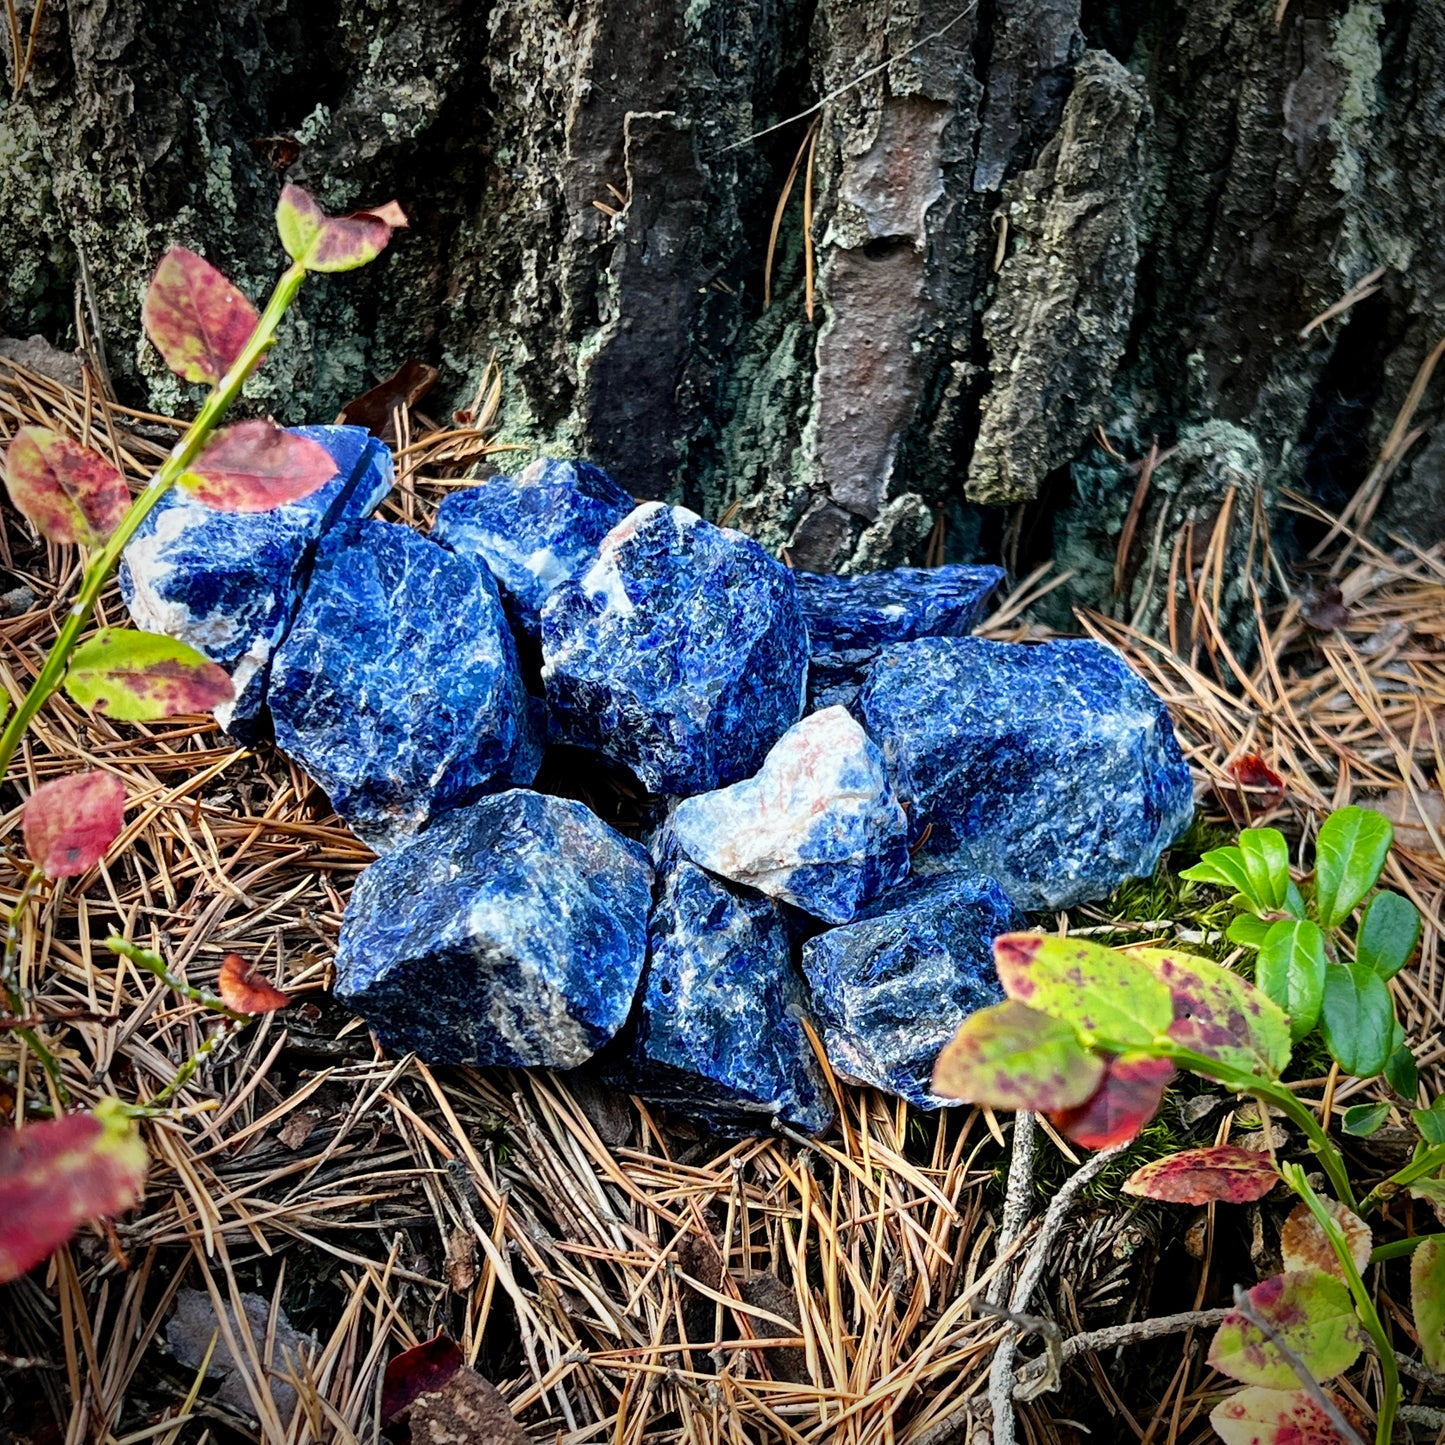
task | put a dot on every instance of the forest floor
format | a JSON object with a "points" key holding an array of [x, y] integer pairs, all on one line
{"points": [[619, 1275]]}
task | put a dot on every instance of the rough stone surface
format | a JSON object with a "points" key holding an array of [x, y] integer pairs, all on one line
{"points": [[892, 988], [398, 688], [818, 826], [681, 652], [1050, 767], [717, 1032], [229, 583], [850, 618], [533, 531], [512, 932]]}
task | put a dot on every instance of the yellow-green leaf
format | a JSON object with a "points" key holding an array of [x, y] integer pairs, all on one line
{"points": [[1427, 1300], [1310, 1311], [1010, 1056], [144, 677]]}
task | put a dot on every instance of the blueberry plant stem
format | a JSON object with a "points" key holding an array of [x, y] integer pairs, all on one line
{"points": [[103, 563]]}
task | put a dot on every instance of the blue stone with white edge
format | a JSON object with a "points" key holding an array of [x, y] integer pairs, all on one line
{"points": [[681, 652], [398, 688], [510, 932], [1051, 766], [891, 988], [817, 826]]}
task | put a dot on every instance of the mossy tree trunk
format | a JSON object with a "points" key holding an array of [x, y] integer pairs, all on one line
{"points": [[1034, 223]]}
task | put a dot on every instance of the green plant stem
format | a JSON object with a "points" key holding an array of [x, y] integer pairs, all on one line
{"points": [[209, 1045], [13, 999], [1399, 1248], [190, 446], [1428, 1162], [1294, 1176], [155, 964]]}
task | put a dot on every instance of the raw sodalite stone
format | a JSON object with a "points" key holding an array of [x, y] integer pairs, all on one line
{"points": [[850, 618], [892, 988], [229, 583], [818, 825], [509, 932], [1050, 766], [717, 1032], [681, 652], [398, 687], [533, 531]]}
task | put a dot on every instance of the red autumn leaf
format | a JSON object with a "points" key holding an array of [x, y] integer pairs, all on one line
{"points": [[417, 1371], [68, 824], [254, 466], [376, 409], [1308, 1312], [1258, 788], [60, 1173], [333, 243], [246, 990], [1224, 1173], [1278, 1417], [197, 320], [69, 492], [1130, 1094]]}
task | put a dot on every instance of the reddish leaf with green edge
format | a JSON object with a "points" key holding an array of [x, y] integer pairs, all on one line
{"points": [[1432, 1191], [256, 466], [333, 243], [1277, 1417], [1223, 1173], [244, 988], [1129, 1096], [69, 492], [1309, 1311], [144, 677], [1302, 1243], [61, 1173], [1110, 998], [1427, 1300], [197, 320], [416, 1372], [1010, 1056], [1220, 1015], [69, 823]]}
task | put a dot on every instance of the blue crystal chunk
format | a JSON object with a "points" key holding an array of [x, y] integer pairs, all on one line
{"points": [[511, 932], [229, 583], [717, 1032], [817, 826], [1050, 767], [891, 988], [680, 653], [398, 687], [534, 530]]}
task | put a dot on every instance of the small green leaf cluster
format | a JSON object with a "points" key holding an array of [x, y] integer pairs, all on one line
{"points": [[1323, 967]]}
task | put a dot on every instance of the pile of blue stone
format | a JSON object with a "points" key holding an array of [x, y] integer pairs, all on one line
{"points": [[851, 794]]}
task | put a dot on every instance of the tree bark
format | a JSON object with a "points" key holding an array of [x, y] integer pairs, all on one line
{"points": [[1037, 226]]}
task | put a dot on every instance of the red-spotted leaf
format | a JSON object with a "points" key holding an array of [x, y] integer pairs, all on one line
{"points": [[1427, 1299], [1303, 1245], [244, 988], [1223, 1173], [333, 243], [417, 1371], [60, 1173], [1278, 1417], [144, 677], [69, 492], [1111, 999], [68, 824], [1220, 1015], [255, 466], [1010, 1056], [1309, 1311], [197, 320], [1128, 1097]]}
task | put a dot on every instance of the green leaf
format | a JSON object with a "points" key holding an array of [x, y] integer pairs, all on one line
{"points": [[1294, 902], [1226, 868], [1010, 1056], [1266, 860], [1357, 1018], [1362, 1120], [144, 677], [1111, 999], [1291, 970], [1427, 1300], [1402, 1073], [1248, 931], [1431, 1122], [1389, 933], [1312, 1314], [1349, 855]]}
